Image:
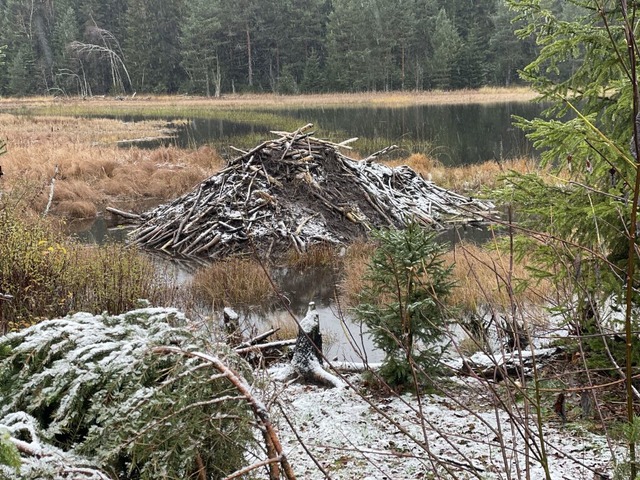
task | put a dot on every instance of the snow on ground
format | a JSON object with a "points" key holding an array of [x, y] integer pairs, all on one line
{"points": [[352, 440]]}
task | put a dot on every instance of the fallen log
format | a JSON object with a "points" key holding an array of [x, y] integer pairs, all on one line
{"points": [[123, 214]]}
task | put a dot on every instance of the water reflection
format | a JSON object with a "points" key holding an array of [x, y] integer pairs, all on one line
{"points": [[457, 134], [454, 134], [98, 231]]}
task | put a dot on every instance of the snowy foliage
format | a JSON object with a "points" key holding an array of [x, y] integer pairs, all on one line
{"points": [[95, 389], [43, 461], [402, 303]]}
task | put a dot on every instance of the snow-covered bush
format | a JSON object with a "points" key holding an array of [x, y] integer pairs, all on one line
{"points": [[97, 390], [41, 460]]}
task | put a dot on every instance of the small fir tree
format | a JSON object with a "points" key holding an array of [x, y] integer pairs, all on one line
{"points": [[402, 304]]}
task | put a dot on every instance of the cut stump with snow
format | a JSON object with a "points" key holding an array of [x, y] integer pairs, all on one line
{"points": [[306, 363]]}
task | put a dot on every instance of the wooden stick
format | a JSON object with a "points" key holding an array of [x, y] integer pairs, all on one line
{"points": [[53, 184], [123, 214]]}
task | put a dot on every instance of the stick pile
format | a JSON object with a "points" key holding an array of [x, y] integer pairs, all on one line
{"points": [[296, 191]]}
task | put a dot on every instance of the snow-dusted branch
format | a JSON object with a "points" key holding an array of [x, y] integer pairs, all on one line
{"points": [[274, 447]]}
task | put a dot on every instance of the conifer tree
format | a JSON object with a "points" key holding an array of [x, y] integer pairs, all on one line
{"points": [[402, 305], [95, 386], [584, 218]]}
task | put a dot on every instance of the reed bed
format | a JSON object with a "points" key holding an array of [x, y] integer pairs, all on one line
{"points": [[319, 255], [485, 276], [203, 106], [93, 171], [235, 282]]}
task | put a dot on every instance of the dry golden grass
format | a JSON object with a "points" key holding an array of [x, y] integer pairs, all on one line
{"points": [[355, 267], [236, 282], [77, 209], [316, 256], [287, 326], [480, 273], [93, 171], [271, 101], [468, 178]]}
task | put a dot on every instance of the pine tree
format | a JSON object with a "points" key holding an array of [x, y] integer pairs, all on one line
{"points": [[201, 44], [402, 306], [313, 76], [152, 46], [445, 46], [585, 216]]}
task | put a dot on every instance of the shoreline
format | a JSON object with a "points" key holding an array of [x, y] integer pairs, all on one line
{"points": [[97, 104]]}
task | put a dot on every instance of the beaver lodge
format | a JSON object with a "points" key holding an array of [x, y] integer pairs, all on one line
{"points": [[296, 191]]}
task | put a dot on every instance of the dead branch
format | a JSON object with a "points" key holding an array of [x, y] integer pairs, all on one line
{"points": [[51, 191]]}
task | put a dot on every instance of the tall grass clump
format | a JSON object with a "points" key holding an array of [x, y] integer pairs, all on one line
{"points": [[47, 275], [355, 263], [317, 256], [235, 282], [486, 276]]}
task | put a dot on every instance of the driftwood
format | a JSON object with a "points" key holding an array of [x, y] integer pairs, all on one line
{"points": [[505, 365], [295, 191], [122, 213]]}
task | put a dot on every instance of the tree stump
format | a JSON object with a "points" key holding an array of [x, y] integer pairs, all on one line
{"points": [[307, 355], [309, 342]]}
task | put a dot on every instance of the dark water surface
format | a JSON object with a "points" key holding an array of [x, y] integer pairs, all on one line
{"points": [[454, 134]]}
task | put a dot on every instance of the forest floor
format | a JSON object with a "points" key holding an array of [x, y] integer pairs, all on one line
{"points": [[358, 434]]}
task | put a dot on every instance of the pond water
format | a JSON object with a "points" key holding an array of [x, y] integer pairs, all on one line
{"points": [[454, 134]]}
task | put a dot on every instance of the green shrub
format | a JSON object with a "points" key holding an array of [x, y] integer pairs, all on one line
{"points": [[401, 304], [9, 454], [49, 275]]}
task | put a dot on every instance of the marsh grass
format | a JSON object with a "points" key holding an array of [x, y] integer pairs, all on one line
{"points": [[235, 282], [356, 260], [484, 276], [480, 275], [187, 106], [320, 255], [287, 326], [92, 171], [49, 275]]}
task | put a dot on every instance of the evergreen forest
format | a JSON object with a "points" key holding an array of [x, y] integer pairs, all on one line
{"points": [[213, 47]]}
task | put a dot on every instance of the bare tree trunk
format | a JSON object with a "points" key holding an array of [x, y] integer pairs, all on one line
{"points": [[307, 355], [249, 57], [218, 78], [402, 68]]}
